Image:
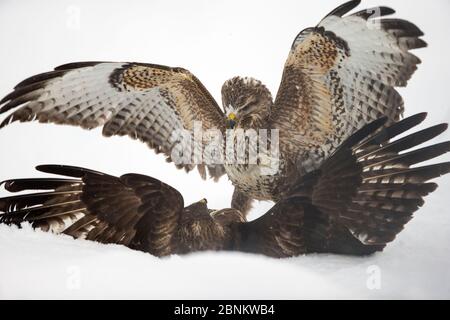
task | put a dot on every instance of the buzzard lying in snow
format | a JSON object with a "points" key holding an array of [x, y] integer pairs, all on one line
{"points": [[358, 200], [339, 76]]}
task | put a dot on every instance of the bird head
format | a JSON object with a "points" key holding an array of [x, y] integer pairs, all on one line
{"points": [[246, 101]]}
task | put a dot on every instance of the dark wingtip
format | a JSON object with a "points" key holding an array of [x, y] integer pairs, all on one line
{"points": [[385, 11], [422, 114], [10, 185], [409, 29], [440, 128], [364, 132], [374, 12], [429, 187], [71, 171], [77, 65], [415, 118], [420, 43], [344, 8], [409, 122], [37, 78], [5, 122], [4, 99], [444, 147], [444, 168]]}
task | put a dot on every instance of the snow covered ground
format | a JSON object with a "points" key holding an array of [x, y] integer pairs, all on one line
{"points": [[41, 265], [215, 40]]}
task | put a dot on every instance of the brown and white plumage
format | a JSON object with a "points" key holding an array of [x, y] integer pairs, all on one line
{"points": [[341, 75], [358, 200], [338, 76], [144, 101]]}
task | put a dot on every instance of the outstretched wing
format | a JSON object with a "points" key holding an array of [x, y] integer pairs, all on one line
{"points": [[358, 200], [341, 75], [144, 101], [389, 191], [134, 210], [393, 183]]}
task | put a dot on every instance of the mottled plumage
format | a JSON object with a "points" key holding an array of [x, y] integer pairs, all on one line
{"points": [[355, 203], [338, 76]]}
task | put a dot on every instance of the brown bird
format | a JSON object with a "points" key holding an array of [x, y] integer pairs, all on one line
{"points": [[355, 203], [338, 76]]}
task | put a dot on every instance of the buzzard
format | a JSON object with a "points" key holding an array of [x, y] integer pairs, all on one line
{"points": [[356, 202], [338, 76]]}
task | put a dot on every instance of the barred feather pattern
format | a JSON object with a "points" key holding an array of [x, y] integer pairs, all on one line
{"points": [[132, 210], [363, 195], [143, 101], [393, 185], [341, 75]]}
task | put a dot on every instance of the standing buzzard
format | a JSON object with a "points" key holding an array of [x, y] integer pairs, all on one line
{"points": [[338, 76], [357, 201]]}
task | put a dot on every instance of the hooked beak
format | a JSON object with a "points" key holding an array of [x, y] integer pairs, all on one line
{"points": [[231, 120]]}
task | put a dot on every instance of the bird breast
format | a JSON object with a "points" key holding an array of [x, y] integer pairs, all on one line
{"points": [[251, 180]]}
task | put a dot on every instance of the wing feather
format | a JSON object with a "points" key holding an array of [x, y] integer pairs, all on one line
{"points": [[341, 75], [144, 101], [369, 188], [134, 210]]}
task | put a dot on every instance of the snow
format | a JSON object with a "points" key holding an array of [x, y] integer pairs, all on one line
{"points": [[35, 264], [39, 35]]}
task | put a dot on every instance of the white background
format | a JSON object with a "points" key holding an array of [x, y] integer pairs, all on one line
{"points": [[215, 40]]}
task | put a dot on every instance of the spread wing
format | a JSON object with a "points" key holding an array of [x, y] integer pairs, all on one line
{"points": [[359, 199], [394, 182], [144, 101], [137, 211], [341, 75], [391, 186]]}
